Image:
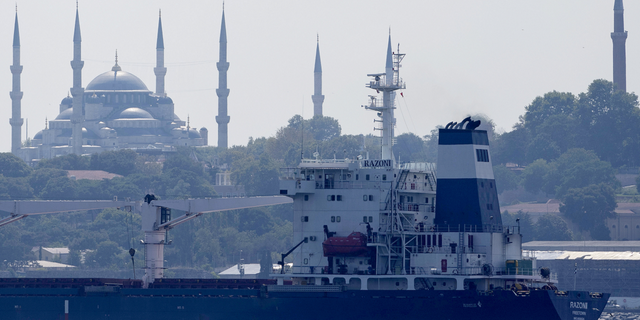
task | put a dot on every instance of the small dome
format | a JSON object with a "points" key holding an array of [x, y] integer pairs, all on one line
{"points": [[134, 113], [65, 115], [38, 136], [116, 80], [88, 134], [194, 134], [67, 101]]}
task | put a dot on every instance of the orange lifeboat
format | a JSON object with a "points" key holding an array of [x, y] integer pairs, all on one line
{"points": [[354, 245]]}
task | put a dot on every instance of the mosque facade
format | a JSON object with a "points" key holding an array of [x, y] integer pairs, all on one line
{"points": [[115, 111]]}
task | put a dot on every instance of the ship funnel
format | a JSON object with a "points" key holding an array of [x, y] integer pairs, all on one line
{"points": [[467, 195]]}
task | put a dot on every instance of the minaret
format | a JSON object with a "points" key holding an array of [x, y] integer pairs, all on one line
{"points": [[222, 118], [317, 96], [160, 70], [619, 37], [16, 95], [77, 91]]}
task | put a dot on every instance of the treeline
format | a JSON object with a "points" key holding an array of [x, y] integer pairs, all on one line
{"points": [[569, 147], [213, 240]]}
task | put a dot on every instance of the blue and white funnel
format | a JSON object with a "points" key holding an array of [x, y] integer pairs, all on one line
{"points": [[467, 196]]}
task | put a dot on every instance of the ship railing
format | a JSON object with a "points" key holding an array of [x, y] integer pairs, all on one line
{"points": [[327, 161], [467, 228], [414, 207], [448, 249]]}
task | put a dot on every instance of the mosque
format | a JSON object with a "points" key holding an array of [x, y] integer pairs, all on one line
{"points": [[116, 110]]}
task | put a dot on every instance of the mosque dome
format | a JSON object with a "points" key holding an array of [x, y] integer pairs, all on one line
{"points": [[134, 113], [194, 134], [38, 136], [67, 101], [65, 115], [116, 79]]}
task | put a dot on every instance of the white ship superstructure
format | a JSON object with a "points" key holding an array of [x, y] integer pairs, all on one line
{"points": [[371, 224]]}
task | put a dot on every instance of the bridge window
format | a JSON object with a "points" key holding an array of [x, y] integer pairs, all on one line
{"points": [[337, 218], [384, 177], [306, 197], [370, 197], [370, 219], [333, 219], [339, 197], [365, 197], [482, 155], [366, 177]]}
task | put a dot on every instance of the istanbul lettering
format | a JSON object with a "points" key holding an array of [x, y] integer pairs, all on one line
{"points": [[376, 163]]}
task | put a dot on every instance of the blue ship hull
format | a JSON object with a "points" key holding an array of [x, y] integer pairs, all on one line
{"points": [[199, 304]]}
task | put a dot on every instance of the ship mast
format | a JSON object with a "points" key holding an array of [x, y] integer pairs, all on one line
{"points": [[387, 83]]}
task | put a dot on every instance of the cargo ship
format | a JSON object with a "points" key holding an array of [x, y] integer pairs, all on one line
{"points": [[374, 239]]}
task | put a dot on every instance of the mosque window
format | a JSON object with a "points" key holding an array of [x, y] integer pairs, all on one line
{"points": [[108, 98], [124, 98]]}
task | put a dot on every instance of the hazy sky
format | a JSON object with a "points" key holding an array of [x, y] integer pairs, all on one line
{"points": [[463, 56]]}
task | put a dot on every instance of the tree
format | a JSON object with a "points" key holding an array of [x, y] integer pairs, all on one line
{"points": [[578, 168], [106, 255], [38, 178], [542, 147], [323, 128], [542, 108], [60, 188], [606, 117], [589, 207], [66, 162], [533, 176], [19, 188], [121, 161], [182, 161], [12, 166], [258, 175], [74, 258], [511, 146], [505, 179], [550, 227], [409, 148]]}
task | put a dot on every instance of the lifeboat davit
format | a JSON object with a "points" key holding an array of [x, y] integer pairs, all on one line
{"points": [[354, 245]]}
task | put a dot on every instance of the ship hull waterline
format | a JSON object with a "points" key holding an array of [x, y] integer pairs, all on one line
{"points": [[158, 304]]}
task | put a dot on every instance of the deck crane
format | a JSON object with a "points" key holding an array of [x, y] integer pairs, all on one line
{"points": [[156, 217]]}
